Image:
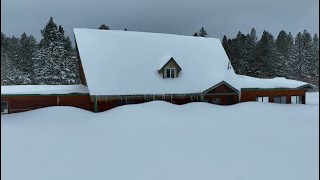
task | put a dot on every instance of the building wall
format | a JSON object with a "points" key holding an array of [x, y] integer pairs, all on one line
{"points": [[223, 99], [20, 103], [222, 92], [253, 94], [221, 89]]}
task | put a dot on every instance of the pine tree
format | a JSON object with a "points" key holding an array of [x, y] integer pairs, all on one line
{"points": [[53, 64], [203, 32], [303, 59], [315, 55], [104, 27], [49, 34], [195, 34], [226, 45], [265, 50], [284, 45], [250, 45], [27, 49]]}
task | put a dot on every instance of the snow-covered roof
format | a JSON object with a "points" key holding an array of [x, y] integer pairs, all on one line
{"points": [[279, 82], [127, 63], [43, 89]]}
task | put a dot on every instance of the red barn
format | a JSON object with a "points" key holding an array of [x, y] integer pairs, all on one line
{"points": [[123, 67]]}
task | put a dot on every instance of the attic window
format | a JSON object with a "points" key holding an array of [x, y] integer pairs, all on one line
{"points": [[170, 69], [170, 73]]}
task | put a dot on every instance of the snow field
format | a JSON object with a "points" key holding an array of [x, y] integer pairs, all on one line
{"points": [[159, 140]]}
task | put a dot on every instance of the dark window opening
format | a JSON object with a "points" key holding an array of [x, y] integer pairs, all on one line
{"points": [[280, 99], [4, 107]]}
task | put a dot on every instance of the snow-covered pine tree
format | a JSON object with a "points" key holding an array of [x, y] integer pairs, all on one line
{"points": [[303, 59], [250, 45], [283, 47], [53, 64], [27, 51], [315, 55], [226, 45], [264, 56]]}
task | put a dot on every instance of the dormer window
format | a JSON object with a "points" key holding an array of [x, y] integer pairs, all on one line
{"points": [[170, 70], [170, 73]]}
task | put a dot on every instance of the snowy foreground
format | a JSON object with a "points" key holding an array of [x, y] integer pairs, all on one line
{"points": [[161, 141]]}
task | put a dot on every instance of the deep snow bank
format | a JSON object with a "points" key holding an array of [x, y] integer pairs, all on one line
{"points": [[158, 140]]}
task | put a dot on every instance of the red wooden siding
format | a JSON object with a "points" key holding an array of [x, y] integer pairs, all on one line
{"points": [[29, 102], [253, 94], [221, 89], [222, 92]]}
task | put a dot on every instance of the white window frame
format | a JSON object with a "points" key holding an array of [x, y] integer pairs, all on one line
{"points": [[262, 99], [170, 74], [297, 99], [6, 110]]}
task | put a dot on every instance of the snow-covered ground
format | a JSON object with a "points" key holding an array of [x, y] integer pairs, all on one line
{"points": [[162, 141]]}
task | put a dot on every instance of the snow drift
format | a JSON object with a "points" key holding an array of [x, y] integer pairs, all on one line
{"points": [[158, 140]]}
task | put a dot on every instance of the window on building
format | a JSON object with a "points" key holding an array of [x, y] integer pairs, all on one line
{"points": [[170, 73], [262, 99], [4, 107], [296, 99], [280, 99], [216, 101]]}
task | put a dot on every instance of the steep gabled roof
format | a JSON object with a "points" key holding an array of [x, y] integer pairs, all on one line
{"points": [[219, 84], [170, 60], [127, 63]]}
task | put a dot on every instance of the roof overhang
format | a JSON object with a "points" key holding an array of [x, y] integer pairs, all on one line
{"points": [[219, 84]]}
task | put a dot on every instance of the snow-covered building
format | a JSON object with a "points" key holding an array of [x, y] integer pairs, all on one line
{"points": [[125, 67]]}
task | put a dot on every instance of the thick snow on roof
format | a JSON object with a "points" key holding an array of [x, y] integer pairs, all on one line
{"points": [[43, 89], [279, 82], [124, 63]]}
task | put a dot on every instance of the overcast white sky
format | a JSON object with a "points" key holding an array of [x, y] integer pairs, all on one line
{"points": [[183, 17]]}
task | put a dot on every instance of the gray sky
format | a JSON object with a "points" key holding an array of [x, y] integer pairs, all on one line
{"points": [[183, 17]]}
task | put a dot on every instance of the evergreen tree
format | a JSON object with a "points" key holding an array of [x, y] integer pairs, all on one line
{"points": [[226, 45], [203, 32], [315, 55], [49, 34], [302, 66], [53, 64], [265, 50], [250, 45], [104, 27], [284, 45], [195, 34], [27, 49]]}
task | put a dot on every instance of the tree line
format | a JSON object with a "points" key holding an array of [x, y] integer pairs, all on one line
{"points": [[54, 61], [51, 61], [268, 57]]}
